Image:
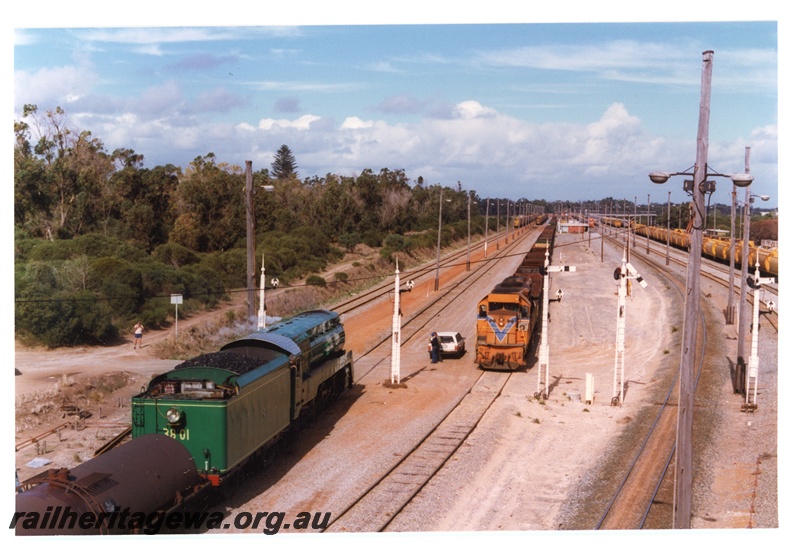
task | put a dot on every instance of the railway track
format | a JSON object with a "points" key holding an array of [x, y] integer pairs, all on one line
{"points": [[453, 259], [644, 497], [380, 503], [648, 472], [711, 270], [376, 508], [381, 498], [422, 319], [720, 274]]}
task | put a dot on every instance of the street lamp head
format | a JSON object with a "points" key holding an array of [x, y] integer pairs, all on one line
{"points": [[741, 180], [659, 177], [762, 197]]}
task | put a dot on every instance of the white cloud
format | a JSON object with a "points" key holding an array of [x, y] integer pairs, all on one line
{"points": [[302, 123], [471, 109], [356, 123], [50, 87], [246, 127]]}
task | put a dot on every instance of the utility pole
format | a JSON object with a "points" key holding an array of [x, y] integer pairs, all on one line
{"points": [[730, 310], [683, 452], [251, 240], [498, 225], [486, 231], [741, 366], [669, 223], [469, 227], [648, 224]]}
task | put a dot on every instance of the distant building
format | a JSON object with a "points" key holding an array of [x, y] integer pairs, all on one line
{"points": [[573, 227]]}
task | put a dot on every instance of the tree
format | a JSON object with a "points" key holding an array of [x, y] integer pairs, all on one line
{"points": [[284, 166], [210, 206]]}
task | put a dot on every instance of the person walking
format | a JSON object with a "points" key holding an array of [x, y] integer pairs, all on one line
{"points": [[435, 348], [138, 330]]}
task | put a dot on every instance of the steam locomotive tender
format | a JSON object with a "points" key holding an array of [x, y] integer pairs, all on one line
{"points": [[229, 406], [193, 428]]}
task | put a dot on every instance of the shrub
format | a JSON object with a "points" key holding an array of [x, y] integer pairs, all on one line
{"points": [[316, 280], [65, 319], [372, 239], [231, 266], [174, 254], [395, 242], [349, 241]]}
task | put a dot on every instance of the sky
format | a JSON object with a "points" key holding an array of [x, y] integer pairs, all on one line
{"points": [[574, 101], [513, 104]]}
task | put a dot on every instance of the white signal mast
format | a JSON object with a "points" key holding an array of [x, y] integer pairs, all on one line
{"points": [[543, 388], [262, 313], [623, 274], [751, 388], [396, 319]]}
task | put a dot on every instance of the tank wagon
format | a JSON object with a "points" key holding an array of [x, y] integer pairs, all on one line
{"points": [[614, 222], [509, 314], [228, 406], [150, 475], [715, 248], [194, 427]]}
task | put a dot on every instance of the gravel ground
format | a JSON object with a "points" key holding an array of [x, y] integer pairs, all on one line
{"points": [[530, 465]]}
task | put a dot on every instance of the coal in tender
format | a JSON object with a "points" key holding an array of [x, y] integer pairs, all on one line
{"points": [[230, 361]]}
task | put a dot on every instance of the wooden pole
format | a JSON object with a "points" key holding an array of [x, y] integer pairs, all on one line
{"points": [[683, 451], [741, 365], [251, 239], [730, 310]]}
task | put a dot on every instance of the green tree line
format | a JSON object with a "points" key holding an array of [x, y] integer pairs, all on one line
{"points": [[101, 241]]}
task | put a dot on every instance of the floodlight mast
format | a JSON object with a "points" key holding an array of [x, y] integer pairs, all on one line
{"points": [[697, 187], [682, 504]]}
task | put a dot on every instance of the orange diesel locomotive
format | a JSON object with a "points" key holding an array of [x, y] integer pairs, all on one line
{"points": [[509, 314]]}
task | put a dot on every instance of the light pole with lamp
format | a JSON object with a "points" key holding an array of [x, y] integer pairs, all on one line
{"points": [[250, 220], [697, 188]]}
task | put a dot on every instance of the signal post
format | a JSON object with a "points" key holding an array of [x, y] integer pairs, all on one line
{"points": [[543, 388]]}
